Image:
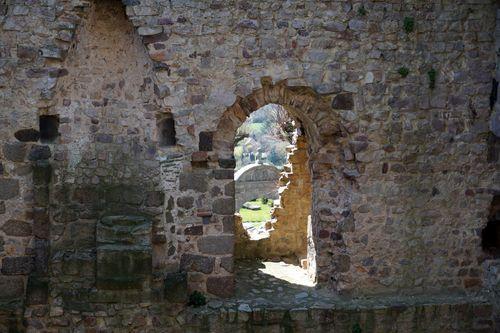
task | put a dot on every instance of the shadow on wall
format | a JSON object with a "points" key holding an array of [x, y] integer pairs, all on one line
{"points": [[106, 202]]}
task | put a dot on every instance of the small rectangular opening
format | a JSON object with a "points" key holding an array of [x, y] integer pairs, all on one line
{"points": [[166, 130], [49, 128]]}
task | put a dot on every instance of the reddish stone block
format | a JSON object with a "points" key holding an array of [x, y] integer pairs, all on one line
{"points": [[472, 283], [483, 310], [197, 263], [222, 286], [17, 265], [204, 212], [324, 234], [199, 156], [17, 228]]}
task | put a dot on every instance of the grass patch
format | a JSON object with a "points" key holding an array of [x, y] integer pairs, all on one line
{"points": [[261, 215]]}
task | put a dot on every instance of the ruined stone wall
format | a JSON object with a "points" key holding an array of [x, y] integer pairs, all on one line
{"points": [[106, 161], [491, 262], [35, 39], [401, 180], [292, 215]]}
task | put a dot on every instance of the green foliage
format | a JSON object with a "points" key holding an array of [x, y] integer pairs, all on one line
{"points": [[432, 74], [264, 200], [197, 299], [409, 24], [261, 215], [266, 132], [362, 11], [277, 155], [238, 152], [356, 328], [403, 71]]}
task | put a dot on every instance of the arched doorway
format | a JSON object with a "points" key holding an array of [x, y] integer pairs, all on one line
{"points": [[322, 130]]}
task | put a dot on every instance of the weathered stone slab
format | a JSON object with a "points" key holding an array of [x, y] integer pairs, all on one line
{"points": [[185, 202], [193, 181], [123, 252], [17, 228], [222, 244], [227, 263], [11, 287], [15, 151], [223, 206], [9, 188], [222, 286], [123, 268], [224, 174], [197, 263], [176, 288], [39, 153], [17, 265]]}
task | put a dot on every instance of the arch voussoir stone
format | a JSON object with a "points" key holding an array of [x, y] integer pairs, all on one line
{"points": [[310, 108]]}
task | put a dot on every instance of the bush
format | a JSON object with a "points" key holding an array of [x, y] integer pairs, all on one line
{"points": [[264, 200], [432, 73], [409, 24], [362, 10], [403, 71], [197, 299]]}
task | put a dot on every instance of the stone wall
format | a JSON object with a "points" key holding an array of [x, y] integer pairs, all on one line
{"points": [[293, 214], [446, 316], [256, 181], [393, 98], [106, 162]]}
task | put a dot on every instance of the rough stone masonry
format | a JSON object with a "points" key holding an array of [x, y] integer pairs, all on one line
{"points": [[117, 124]]}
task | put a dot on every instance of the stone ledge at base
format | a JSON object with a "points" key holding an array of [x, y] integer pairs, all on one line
{"points": [[423, 314], [434, 314]]}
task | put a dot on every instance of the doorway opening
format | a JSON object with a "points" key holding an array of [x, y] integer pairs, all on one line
{"points": [[272, 201]]}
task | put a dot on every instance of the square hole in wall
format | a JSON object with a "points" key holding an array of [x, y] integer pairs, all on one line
{"points": [[49, 127], [166, 130]]}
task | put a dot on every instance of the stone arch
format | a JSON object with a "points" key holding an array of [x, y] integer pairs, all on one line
{"points": [[330, 174], [312, 110], [254, 180]]}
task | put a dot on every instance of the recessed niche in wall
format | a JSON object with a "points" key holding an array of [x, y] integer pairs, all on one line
{"points": [[49, 127], [490, 235], [166, 130]]}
